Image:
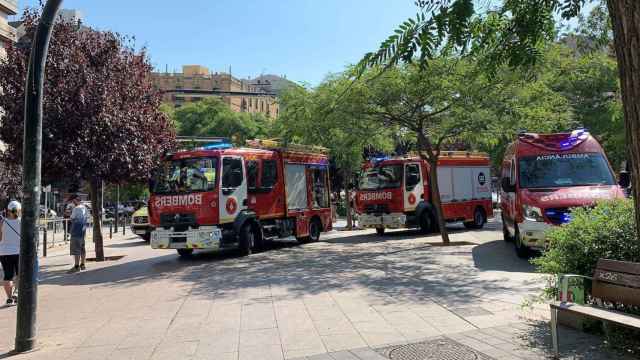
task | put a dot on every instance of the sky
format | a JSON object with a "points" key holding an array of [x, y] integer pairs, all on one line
{"points": [[302, 39]]}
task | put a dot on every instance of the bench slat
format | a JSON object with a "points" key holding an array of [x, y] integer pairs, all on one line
{"points": [[615, 293], [598, 313], [619, 266], [617, 278]]}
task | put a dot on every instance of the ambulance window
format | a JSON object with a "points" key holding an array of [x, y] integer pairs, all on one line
{"points": [[269, 174], [412, 176], [231, 173], [252, 175]]}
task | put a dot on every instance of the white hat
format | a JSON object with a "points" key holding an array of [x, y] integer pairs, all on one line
{"points": [[14, 206]]}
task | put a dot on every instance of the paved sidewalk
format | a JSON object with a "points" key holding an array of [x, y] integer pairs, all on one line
{"points": [[341, 297]]}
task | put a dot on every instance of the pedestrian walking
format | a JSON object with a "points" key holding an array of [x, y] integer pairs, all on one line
{"points": [[10, 250], [79, 216]]}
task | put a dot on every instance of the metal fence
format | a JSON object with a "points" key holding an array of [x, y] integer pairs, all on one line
{"points": [[54, 231]]}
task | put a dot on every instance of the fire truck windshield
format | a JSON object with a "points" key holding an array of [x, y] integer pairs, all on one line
{"points": [[186, 175], [564, 170], [381, 177]]}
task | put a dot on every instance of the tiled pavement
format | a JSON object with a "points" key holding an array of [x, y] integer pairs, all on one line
{"points": [[330, 300]]}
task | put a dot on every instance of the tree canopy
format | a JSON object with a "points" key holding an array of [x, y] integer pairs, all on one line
{"points": [[101, 119]]}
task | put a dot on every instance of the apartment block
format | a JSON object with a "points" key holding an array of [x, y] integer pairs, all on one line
{"points": [[7, 32], [196, 82]]}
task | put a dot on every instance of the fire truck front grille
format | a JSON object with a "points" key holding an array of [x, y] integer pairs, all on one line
{"points": [[179, 222], [376, 209], [558, 216]]}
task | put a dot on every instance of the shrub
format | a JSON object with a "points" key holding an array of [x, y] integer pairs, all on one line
{"points": [[607, 230]]}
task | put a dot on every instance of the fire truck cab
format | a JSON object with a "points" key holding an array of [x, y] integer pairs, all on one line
{"points": [[394, 192], [219, 196], [543, 177]]}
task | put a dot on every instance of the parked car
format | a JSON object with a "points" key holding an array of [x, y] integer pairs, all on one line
{"points": [[140, 223]]}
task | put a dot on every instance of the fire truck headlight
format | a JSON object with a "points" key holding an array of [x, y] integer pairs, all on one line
{"points": [[532, 213]]}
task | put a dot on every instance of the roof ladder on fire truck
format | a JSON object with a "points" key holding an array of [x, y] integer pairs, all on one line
{"points": [[273, 144]]}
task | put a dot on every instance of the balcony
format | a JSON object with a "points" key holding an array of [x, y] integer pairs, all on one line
{"points": [[7, 32], [10, 7]]}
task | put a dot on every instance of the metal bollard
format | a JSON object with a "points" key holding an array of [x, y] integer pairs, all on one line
{"points": [[111, 230], [124, 222], [44, 242], [64, 229]]}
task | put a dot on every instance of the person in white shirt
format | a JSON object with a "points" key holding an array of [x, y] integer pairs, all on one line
{"points": [[10, 250], [78, 218]]}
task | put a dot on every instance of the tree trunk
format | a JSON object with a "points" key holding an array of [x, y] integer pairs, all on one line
{"points": [[625, 20], [96, 213], [347, 192], [435, 198]]}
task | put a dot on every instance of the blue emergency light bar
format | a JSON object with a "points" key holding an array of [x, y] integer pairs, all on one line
{"points": [[218, 146]]}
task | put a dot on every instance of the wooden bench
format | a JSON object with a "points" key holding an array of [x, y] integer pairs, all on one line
{"points": [[613, 283]]}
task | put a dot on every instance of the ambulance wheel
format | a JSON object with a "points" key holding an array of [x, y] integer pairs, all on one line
{"points": [[185, 253], [426, 223], [380, 231], [522, 250], [315, 228], [478, 220], [247, 238], [505, 231]]}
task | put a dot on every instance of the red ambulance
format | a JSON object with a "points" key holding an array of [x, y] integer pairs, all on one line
{"points": [[543, 177], [219, 196], [394, 192]]}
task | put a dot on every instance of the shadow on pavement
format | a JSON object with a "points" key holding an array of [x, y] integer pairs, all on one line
{"points": [[128, 244], [499, 255], [404, 270]]}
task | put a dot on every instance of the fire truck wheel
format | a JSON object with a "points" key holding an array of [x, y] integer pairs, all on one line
{"points": [[522, 250], [426, 223], [380, 231], [478, 220], [314, 230], [505, 232], [247, 237], [185, 253]]}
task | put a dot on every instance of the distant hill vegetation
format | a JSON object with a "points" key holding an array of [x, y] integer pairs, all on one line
{"points": [[272, 83]]}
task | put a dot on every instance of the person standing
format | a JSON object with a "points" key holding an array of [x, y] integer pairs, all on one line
{"points": [[10, 250], [78, 219]]}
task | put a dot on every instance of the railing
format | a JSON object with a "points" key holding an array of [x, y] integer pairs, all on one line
{"points": [[58, 229]]}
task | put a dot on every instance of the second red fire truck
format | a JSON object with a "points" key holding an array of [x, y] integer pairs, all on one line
{"points": [[219, 196], [394, 192]]}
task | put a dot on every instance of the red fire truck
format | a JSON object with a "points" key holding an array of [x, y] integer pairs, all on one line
{"points": [[394, 192], [219, 196]]}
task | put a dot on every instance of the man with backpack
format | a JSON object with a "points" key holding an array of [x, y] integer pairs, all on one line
{"points": [[78, 218]]}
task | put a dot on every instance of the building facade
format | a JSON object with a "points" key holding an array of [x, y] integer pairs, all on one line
{"points": [[196, 82], [7, 32]]}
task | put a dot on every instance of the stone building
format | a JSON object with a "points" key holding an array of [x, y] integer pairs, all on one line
{"points": [[196, 82], [7, 32]]}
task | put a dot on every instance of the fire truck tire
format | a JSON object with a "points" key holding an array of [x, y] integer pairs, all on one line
{"points": [[479, 219], [315, 228], [247, 237], [426, 222], [505, 231], [522, 250], [185, 253], [380, 231]]}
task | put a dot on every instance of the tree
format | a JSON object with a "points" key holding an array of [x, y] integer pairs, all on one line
{"points": [[212, 117], [436, 103], [514, 33], [101, 119], [346, 130]]}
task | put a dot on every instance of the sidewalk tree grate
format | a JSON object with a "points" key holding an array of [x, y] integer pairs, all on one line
{"points": [[470, 311], [436, 349]]}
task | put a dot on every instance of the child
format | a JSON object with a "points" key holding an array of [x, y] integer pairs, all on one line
{"points": [[10, 249]]}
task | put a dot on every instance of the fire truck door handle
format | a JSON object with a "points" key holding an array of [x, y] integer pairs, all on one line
{"points": [[421, 196], [245, 202]]}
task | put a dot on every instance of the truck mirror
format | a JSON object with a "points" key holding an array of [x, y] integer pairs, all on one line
{"points": [[624, 179], [506, 185]]}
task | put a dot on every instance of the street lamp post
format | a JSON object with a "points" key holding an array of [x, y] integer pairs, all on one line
{"points": [[32, 157]]}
